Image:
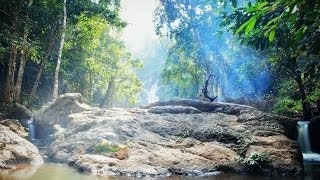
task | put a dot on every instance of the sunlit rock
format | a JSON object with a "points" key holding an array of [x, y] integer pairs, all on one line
{"points": [[15, 126], [159, 144], [58, 111], [15, 150], [173, 110]]}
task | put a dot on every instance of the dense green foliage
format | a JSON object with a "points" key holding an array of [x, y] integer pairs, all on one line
{"points": [[285, 32], [289, 32], [92, 55], [266, 50]]}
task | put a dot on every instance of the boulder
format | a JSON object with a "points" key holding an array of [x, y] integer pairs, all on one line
{"points": [[15, 111], [173, 110], [15, 150], [58, 111], [186, 138], [15, 126], [20, 112]]}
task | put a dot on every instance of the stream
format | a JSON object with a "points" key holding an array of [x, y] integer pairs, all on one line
{"points": [[54, 171], [51, 171]]}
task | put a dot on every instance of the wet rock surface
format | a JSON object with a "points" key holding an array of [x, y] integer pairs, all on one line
{"points": [[186, 138]]}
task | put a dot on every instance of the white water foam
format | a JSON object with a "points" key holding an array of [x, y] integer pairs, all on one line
{"points": [[304, 142]]}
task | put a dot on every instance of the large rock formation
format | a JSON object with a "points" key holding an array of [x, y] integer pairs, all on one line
{"points": [[57, 113], [176, 137], [15, 150], [15, 111]]}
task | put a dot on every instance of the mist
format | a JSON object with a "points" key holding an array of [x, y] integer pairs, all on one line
{"points": [[141, 40], [226, 59]]}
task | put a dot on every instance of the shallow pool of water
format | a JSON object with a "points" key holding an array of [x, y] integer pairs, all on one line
{"points": [[50, 171]]}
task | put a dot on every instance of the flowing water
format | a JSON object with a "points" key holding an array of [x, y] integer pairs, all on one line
{"points": [[31, 129], [152, 95], [304, 141], [51, 171]]}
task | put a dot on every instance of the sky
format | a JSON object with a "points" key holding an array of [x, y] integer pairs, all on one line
{"points": [[140, 30]]}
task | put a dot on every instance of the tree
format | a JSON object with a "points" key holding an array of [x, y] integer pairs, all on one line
{"points": [[10, 19], [63, 34], [108, 10], [289, 30], [199, 49]]}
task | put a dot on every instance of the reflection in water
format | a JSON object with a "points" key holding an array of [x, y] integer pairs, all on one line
{"points": [[63, 172]]}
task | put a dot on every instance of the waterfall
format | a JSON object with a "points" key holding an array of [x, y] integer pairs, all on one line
{"points": [[304, 142], [152, 95], [31, 129], [303, 136]]}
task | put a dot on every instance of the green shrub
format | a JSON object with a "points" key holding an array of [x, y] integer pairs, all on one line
{"points": [[185, 133], [254, 160], [104, 147]]}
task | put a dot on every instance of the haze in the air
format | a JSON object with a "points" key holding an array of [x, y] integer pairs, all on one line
{"points": [[141, 40]]}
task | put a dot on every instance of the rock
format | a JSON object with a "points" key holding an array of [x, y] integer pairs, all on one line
{"points": [[315, 134], [173, 110], [15, 126], [15, 111], [122, 154], [58, 111], [3, 116], [170, 143], [20, 112], [15, 150], [279, 150], [204, 106]]}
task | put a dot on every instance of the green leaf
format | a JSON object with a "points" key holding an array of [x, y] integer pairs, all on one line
{"points": [[293, 20], [256, 7], [273, 20], [272, 35], [241, 27], [251, 23]]}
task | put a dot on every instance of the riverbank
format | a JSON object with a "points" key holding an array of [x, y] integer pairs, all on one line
{"points": [[53, 171], [181, 137]]}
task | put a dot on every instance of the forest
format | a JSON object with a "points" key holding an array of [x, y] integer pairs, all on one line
{"points": [[169, 89], [263, 53]]}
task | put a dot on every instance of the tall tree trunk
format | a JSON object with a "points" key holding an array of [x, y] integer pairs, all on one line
{"points": [[107, 100], [297, 76], [307, 114], [91, 85], [9, 86], [17, 89], [63, 34], [40, 71], [23, 59]]}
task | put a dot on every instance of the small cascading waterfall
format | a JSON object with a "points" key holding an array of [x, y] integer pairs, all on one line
{"points": [[31, 129], [303, 136], [304, 142], [152, 95]]}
